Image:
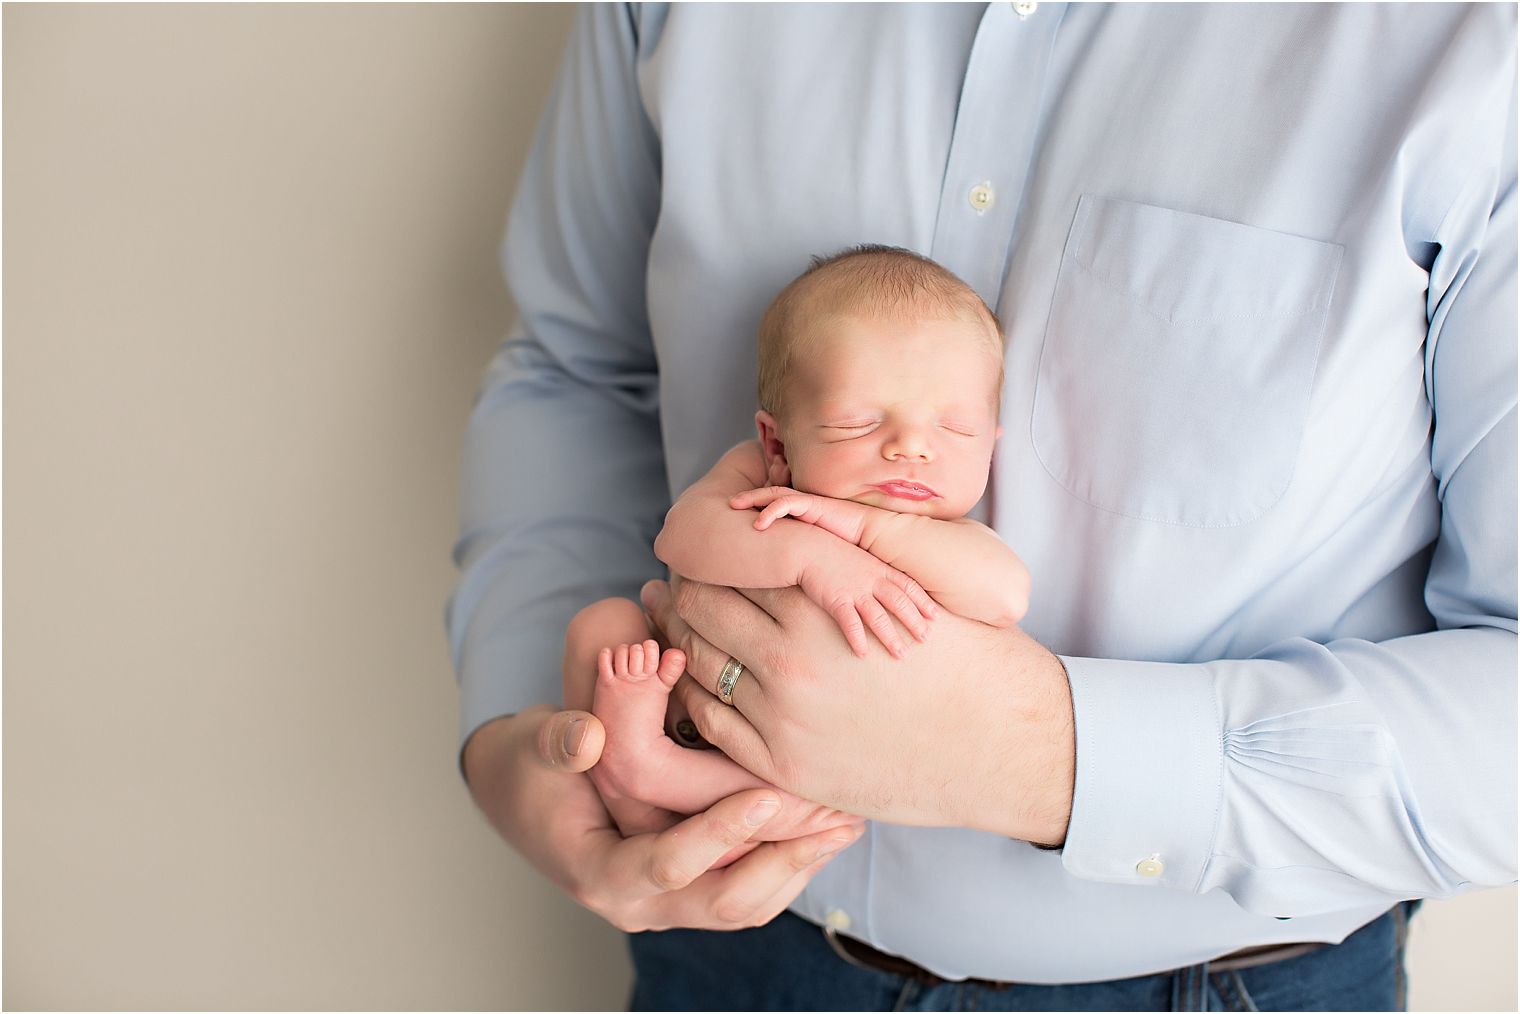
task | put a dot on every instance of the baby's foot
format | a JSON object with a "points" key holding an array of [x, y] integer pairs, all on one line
{"points": [[633, 684], [633, 689], [640, 762]]}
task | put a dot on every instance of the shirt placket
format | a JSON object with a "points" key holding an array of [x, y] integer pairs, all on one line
{"points": [[991, 148]]}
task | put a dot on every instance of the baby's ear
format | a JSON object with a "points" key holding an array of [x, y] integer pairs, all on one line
{"points": [[777, 471]]}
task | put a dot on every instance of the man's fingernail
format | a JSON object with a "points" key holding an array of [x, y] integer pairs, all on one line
{"points": [[650, 594], [575, 735], [686, 732], [833, 845], [762, 812]]}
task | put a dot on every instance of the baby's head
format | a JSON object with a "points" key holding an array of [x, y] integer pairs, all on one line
{"points": [[880, 380]]}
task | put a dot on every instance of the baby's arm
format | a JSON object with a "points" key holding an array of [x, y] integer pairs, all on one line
{"points": [[963, 564], [706, 540]]}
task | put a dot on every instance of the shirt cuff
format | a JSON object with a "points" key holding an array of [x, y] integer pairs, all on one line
{"points": [[1149, 772]]}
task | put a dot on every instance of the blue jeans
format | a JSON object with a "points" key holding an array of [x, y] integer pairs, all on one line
{"points": [[788, 965]]}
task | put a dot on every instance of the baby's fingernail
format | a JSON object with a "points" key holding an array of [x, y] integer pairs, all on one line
{"points": [[575, 736], [762, 812]]}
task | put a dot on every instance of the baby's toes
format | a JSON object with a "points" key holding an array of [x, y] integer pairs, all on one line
{"points": [[672, 665]]}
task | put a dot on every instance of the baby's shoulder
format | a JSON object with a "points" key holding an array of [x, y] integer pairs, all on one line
{"points": [[747, 459]]}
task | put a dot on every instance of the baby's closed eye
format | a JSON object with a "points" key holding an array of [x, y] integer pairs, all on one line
{"points": [[959, 429], [848, 430]]}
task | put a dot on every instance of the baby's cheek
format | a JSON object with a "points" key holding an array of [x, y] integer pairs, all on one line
{"points": [[826, 474]]}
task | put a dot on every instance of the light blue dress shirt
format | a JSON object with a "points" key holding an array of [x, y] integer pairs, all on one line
{"points": [[1257, 268]]}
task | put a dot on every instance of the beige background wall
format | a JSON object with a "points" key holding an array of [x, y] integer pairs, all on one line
{"points": [[250, 282]]}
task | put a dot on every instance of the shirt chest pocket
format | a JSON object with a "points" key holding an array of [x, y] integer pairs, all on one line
{"points": [[1178, 361]]}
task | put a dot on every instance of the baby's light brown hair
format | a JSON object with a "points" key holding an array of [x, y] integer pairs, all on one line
{"points": [[867, 280]]}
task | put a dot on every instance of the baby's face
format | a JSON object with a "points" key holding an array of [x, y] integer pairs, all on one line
{"points": [[899, 414]]}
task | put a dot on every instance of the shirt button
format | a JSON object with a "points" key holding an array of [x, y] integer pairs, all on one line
{"points": [[837, 920], [981, 197], [1150, 866], [1024, 8]]}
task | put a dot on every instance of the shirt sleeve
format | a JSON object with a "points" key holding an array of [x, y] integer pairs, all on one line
{"points": [[564, 482], [1320, 777]]}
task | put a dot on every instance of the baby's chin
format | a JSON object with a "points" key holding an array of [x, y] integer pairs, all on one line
{"points": [[937, 508]]}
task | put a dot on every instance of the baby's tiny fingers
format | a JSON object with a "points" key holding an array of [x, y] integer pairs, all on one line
{"points": [[915, 591], [881, 625], [774, 512], [897, 601], [758, 497], [854, 631]]}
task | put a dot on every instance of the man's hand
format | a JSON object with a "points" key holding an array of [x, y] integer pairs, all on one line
{"points": [[641, 767], [646, 782], [976, 731], [526, 774]]}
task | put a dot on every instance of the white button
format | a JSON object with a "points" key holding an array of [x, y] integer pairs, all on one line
{"points": [[981, 197], [1150, 866], [837, 920], [1024, 8]]}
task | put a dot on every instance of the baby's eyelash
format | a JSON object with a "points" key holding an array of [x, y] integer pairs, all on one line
{"points": [[847, 431]]}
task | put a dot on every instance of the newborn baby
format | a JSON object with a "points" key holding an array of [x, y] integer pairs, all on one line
{"points": [[880, 383]]}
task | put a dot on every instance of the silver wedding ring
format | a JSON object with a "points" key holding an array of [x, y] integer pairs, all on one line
{"points": [[732, 670]]}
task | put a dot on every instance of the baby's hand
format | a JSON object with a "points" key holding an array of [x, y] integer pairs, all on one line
{"points": [[840, 517], [859, 591]]}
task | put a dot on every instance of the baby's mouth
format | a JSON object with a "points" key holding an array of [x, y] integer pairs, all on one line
{"points": [[907, 490]]}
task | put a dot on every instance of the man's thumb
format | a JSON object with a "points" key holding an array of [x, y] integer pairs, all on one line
{"points": [[571, 740]]}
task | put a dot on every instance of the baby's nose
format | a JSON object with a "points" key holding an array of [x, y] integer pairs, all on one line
{"points": [[909, 443]]}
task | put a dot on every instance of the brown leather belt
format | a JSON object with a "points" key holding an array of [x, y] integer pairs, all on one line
{"points": [[865, 956]]}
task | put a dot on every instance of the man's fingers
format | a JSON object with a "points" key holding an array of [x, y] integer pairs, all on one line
{"points": [[725, 727], [683, 613], [633, 816], [571, 741], [778, 902], [754, 890], [748, 629], [703, 661], [672, 859]]}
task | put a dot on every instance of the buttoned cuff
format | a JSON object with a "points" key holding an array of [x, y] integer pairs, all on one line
{"points": [[1149, 772]]}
